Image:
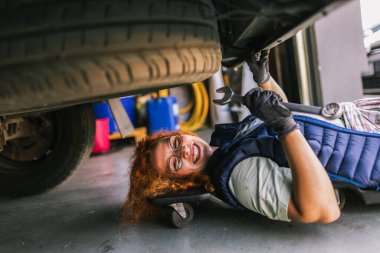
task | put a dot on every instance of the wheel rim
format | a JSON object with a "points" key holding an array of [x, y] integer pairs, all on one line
{"points": [[30, 150]]}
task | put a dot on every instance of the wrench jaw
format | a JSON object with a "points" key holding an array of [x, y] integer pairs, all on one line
{"points": [[332, 111], [226, 97]]}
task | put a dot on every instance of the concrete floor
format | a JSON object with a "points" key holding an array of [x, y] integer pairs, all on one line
{"points": [[81, 215]]}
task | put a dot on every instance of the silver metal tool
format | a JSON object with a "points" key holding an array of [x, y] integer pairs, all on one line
{"points": [[330, 111]]}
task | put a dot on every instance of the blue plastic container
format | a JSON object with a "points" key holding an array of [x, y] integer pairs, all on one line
{"points": [[102, 110], [162, 114]]}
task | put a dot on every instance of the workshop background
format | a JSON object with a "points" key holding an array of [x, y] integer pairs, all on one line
{"points": [[328, 62]]}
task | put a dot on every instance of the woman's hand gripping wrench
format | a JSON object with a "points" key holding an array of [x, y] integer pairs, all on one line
{"points": [[329, 111]]}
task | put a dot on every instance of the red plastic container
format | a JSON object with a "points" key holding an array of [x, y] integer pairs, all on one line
{"points": [[102, 142]]}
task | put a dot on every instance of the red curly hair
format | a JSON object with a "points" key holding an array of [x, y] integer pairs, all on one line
{"points": [[145, 182]]}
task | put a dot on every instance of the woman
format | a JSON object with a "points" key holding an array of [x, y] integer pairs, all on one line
{"points": [[176, 161]]}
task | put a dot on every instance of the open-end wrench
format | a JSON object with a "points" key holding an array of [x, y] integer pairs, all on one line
{"points": [[329, 111]]}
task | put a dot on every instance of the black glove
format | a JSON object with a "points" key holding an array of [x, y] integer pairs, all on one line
{"points": [[266, 106], [259, 67]]}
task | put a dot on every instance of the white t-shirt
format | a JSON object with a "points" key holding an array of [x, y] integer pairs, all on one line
{"points": [[260, 185]]}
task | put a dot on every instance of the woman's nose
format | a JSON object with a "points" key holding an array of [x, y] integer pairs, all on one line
{"points": [[185, 151]]}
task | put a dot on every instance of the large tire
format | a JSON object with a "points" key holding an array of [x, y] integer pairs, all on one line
{"points": [[34, 164], [61, 52]]}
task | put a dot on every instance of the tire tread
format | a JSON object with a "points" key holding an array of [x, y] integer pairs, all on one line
{"points": [[87, 50], [36, 38]]}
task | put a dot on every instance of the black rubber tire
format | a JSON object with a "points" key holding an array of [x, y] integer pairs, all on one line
{"points": [[72, 139], [180, 222], [61, 52]]}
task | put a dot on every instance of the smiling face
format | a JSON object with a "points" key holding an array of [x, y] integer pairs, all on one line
{"points": [[180, 157]]}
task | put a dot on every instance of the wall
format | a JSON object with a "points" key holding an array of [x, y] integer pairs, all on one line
{"points": [[341, 54]]}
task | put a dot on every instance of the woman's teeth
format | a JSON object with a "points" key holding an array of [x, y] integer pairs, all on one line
{"points": [[195, 154]]}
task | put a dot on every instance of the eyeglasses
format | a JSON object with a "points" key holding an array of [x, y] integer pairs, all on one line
{"points": [[175, 161]]}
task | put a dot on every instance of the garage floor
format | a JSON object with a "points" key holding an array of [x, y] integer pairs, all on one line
{"points": [[81, 215]]}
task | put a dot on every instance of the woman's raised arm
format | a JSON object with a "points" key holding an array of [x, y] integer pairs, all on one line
{"points": [[313, 198], [313, 195]]}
